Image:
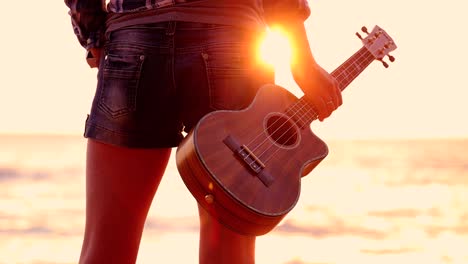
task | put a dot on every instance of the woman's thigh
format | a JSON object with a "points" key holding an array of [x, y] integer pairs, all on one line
{"points": [[120, 186]]}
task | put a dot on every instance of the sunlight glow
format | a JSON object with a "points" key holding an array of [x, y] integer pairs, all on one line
{"points": [[275, 49]]}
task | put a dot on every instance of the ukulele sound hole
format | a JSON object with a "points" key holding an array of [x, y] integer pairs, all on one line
{"points": [[282, 130]]}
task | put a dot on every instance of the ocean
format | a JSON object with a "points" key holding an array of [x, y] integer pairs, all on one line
{"points": [[369, 201]]}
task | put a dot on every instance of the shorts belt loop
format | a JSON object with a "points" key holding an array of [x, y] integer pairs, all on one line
{"points": [[171, 28]]}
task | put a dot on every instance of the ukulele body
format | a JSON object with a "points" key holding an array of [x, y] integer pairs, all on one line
{"points": [[245, 167]]}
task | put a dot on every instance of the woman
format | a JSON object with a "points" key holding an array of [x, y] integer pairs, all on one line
{"points": [[163, 64]]}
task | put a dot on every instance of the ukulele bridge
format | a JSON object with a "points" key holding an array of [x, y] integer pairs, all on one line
{"points": [[249, 159]]}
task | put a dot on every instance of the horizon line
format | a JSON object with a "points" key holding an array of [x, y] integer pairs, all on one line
{"points": [[329, 137]]}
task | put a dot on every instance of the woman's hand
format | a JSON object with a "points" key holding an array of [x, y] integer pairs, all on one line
{"points": [[321, 90], [319, 87]]}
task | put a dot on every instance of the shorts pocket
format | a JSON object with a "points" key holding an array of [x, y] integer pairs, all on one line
{"points": [[120, 79], [229, 76]]}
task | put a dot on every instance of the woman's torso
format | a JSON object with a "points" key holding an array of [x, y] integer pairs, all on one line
{"points": [[244, 13]]}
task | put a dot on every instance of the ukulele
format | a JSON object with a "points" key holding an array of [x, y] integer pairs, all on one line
{"points": [[245, 167]]}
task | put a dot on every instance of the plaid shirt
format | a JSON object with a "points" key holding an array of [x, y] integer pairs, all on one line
{"points": [[88, 16]]}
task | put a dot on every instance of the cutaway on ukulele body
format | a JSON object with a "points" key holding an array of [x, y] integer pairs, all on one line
{"points": [[255, 157], [245, 167]]}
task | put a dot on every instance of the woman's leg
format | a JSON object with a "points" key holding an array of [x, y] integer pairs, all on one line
{"points": [[120, 185], [221, 245]]}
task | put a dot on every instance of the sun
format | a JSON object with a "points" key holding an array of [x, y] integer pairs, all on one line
{"points": [[275, 49]]}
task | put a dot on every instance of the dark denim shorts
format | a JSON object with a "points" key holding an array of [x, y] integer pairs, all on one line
{"points": [[156, 81]]}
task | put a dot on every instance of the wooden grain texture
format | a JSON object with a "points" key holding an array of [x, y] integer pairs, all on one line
{"points": [[237, 196], [241, 201]]}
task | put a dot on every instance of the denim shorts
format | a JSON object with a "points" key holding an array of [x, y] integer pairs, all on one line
{"points": [[155, 81]]}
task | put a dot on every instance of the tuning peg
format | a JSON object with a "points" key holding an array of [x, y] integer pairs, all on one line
{"points": [[391, 58], [359, 35], [364, 29], [385, 64]]}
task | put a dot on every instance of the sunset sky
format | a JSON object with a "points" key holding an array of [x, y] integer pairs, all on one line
{"points": [[368, 202], [47, 87]]}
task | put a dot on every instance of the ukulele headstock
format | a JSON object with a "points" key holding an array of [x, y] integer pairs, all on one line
{"points": [[378, 43]]}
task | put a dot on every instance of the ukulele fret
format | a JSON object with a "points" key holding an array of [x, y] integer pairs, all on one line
{"points": [[245, 166]]}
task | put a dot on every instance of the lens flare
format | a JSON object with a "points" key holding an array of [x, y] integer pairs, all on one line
{"points": [[275, 49]]}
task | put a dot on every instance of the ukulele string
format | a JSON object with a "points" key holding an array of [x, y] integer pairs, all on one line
{"points": [[361, 57], [298, 113], [265, 139], [309, 110], [251, 142]]}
